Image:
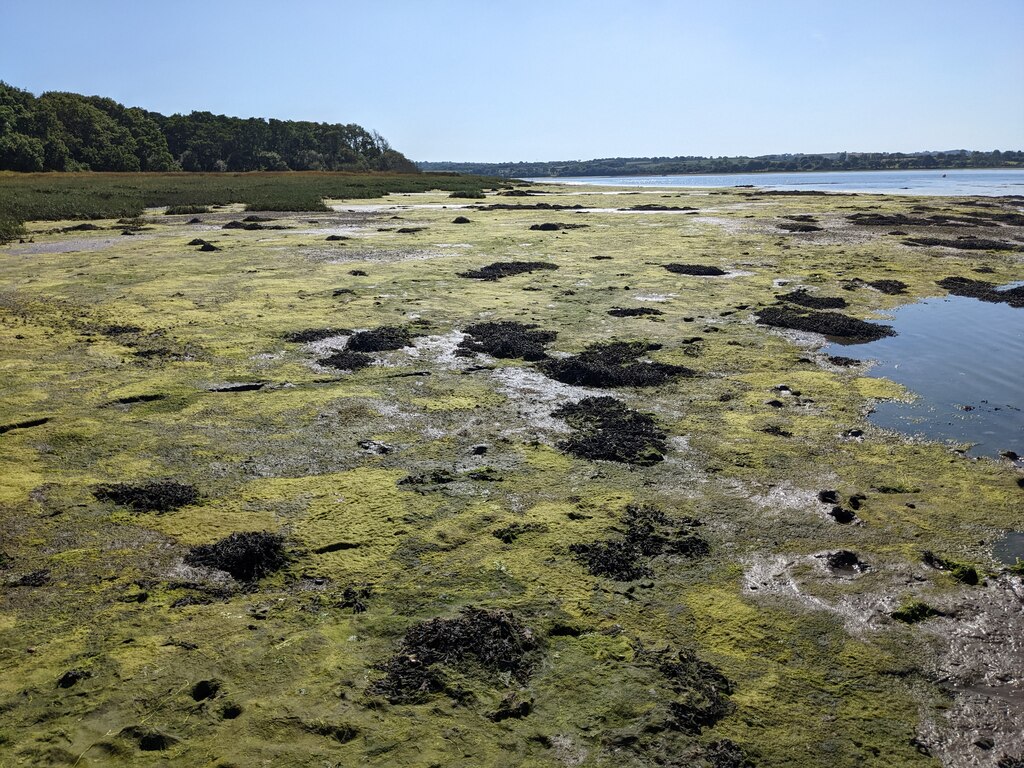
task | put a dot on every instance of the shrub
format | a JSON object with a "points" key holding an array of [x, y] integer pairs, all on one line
{"points": [[186, 210], [10, 230]]}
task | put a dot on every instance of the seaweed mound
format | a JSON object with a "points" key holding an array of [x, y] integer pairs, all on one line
{"points": [[495, 642], [965, 243], [613, 364], [889, 287], [500, 269], [979, 289], [634, 312], [555, 226], [798, 226], [657, 207], [383, 339], [314, 334], [648, 533], [827, 323], [246, 556], [700, 689], [606, 429], [804, 299], [507, 340], [701, 270], [346, 361], [160, 496]]}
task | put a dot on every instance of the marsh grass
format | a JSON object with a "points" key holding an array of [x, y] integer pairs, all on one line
{"points": [[62, 196]]}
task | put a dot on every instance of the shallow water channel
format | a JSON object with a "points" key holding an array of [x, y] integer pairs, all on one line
{"points": [[964, 359]]}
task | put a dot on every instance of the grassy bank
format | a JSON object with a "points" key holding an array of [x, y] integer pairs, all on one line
{"points": [[58, 196]]}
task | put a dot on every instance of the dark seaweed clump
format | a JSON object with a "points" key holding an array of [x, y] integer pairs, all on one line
{"points": [[827, 323], [160, 496], [511, 532], [889, 287], [314, 334], [657, 207], [965, 243], [604, 428], [347, 361], [804, 299], [700, 270], [383, 339], [634, 312], [500, 269], [798, 226], [979, 289], [727, 754], [507, 340], [246, 556], [555, 226], [495, 642], [614, 364], [701, 691], [648, 533]]}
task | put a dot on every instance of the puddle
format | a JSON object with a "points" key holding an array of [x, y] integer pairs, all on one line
{"points": [[1010, 548], [963, 358]]}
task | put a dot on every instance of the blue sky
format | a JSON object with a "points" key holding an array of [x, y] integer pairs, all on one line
{"points": [[554, 79]]}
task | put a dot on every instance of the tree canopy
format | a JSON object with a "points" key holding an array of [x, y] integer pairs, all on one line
{"points": [[60, 131]]}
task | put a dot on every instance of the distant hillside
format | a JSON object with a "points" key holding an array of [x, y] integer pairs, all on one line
{"points": [[70, 132], [659, 166]]}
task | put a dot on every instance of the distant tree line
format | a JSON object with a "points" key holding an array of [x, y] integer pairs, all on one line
{"points": [[659, 166], [70, 132]]}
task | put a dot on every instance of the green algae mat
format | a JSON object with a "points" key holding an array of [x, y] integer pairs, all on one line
{"points": [[560, 477]]}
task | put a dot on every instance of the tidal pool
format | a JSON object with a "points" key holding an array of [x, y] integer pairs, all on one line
{"points": [[964, 359], [1010, 548]]}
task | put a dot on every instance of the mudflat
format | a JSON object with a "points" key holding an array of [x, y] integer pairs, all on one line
{"points": [[467, 486]]}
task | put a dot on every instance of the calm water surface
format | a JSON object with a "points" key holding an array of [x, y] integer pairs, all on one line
{"points": [[964, 359], [966, 182]]}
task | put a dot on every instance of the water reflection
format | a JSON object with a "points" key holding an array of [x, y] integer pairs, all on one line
{"points": [[964, 359]]}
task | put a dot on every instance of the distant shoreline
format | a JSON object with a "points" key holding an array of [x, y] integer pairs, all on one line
{"points": [[770, 172]]}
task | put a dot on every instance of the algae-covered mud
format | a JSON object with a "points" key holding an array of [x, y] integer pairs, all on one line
{"points": [[561, 477]]}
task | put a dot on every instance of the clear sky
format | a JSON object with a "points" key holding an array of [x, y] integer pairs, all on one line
{"points": [[497, 80]]}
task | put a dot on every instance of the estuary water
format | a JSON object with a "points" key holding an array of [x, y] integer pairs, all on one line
{"points": [[995, 182], [963, 358]]}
